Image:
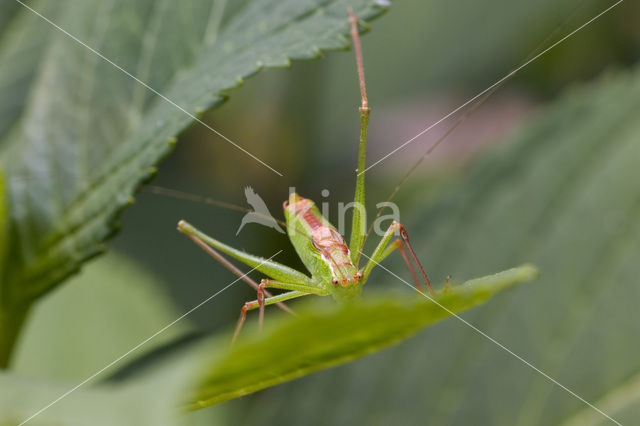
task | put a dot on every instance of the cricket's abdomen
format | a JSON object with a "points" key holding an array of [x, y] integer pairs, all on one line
{"points": [[319, 245]]}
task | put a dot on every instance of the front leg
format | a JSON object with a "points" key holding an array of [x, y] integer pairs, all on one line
{"points": [[231, 267], [268, 267], [384, 249], [267, 283]]}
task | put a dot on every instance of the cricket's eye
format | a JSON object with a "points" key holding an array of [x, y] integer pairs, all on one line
{"points": [[334, 281]]}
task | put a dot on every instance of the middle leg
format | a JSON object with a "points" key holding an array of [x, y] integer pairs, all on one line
{"points": [[256, 304], [295, 290]]}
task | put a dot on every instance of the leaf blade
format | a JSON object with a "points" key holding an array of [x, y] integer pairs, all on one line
{"points": [[323, 338], [89, 135]]}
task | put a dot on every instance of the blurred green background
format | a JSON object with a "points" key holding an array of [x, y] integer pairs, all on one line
{"points": [[422, 59]]}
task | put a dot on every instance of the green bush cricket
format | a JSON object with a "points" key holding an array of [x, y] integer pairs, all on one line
{"points": [[334, 266]]}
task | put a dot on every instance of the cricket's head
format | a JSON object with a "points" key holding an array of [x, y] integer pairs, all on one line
{"points": [[296, 205]]}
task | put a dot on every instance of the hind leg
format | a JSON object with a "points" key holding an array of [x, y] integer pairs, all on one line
{"points": [[385, 248]]}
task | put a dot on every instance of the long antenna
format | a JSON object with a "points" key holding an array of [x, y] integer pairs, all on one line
{"points": [[182, 195], [353, 21]]}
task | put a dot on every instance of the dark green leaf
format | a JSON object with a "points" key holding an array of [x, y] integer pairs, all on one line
{"points": [[82, 135]]}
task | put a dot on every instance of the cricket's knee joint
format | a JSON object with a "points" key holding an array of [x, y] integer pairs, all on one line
{"points": [[261, 291], [245, 308], [264, 283], [403, 231], [353, 19]]}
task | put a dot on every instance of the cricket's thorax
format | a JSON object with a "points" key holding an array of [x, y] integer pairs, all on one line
{"points": [[319, 245]]}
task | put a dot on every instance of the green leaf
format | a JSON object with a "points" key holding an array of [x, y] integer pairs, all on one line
{"points": [[107, 309], [22, 397], [83, 135], [4, 226], [325, 336], [564, 195], [11, 317], [20, 58], [624, 401], [149, 400]]}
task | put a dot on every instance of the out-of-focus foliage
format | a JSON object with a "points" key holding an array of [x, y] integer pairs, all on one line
{"points": [[565, 196], [150, 399], [22, 397], [103, 312], [4, 225], [99, 315]]}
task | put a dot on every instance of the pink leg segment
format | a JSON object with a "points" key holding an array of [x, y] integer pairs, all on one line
{"points": [[405, 239]]}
